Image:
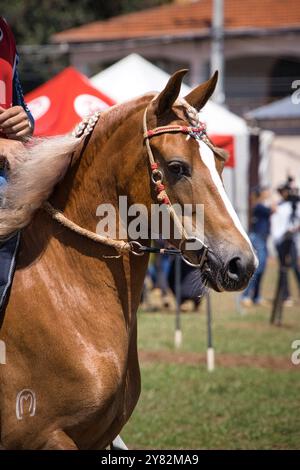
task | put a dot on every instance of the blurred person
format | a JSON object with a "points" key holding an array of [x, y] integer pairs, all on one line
{"points": [[16, 121], [158, 271], [162, 267], [191, 285], [285, 229], [16, 124], [259, 232]]}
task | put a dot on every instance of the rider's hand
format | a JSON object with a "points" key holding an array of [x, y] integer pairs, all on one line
{"points": [[14, 123], [11, 150]]}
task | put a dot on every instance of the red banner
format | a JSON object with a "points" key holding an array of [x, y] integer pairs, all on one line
{"points": [[226, 142]]}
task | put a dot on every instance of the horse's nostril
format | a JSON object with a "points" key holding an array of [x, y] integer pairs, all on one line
{"points": [[235, 268]]}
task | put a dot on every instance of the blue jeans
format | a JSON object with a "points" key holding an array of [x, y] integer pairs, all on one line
{"points": [[8, 254], [260, 247], [3, 180], [159, 272]]}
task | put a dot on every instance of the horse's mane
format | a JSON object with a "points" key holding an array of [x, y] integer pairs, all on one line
{"points": [[41, 163]]}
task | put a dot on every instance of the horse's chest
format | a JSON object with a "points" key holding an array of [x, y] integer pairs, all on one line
{"points": [[107, 406]]}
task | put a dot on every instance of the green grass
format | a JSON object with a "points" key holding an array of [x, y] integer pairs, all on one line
{"points": [[184, 406], [232, 333]]}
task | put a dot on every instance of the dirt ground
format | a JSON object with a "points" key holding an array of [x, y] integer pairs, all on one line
{"points": [[224, 360]]}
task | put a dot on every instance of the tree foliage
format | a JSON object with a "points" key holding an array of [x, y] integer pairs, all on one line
{"points": [[34, 21]]}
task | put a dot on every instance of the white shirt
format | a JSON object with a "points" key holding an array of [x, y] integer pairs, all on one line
{"points": [[281, 221]]}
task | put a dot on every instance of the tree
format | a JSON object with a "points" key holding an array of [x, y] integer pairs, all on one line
{"points": [[34, 21]]}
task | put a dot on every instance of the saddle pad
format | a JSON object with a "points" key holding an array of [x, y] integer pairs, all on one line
{"points": [[8, 254]]}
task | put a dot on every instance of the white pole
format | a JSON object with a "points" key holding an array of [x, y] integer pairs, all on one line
{"points": [[210, 358], [210, 354], [178, 332], [178, 339], [217, 49]]}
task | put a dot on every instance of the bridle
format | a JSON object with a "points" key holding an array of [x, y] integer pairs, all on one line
{"points": [[84, 130], [157, 179]]}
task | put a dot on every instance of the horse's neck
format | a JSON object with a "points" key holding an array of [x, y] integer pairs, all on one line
{"points": [[102, 171]]}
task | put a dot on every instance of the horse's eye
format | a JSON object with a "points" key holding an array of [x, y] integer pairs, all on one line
{"points": [[178, 169]]}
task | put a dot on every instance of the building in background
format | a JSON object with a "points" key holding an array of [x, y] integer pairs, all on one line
{"points": [[262, 54]]}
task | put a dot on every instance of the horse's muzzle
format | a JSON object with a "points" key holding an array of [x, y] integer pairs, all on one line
{"points": [[232, 274]]}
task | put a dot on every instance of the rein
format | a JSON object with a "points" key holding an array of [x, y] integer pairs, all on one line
{"points": [[84, 130]]}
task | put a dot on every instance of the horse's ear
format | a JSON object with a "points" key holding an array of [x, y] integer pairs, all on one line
{"points": [[165, 100], [201, 94]]}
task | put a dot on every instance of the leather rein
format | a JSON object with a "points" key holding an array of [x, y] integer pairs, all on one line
{"points": [[84, 130]]}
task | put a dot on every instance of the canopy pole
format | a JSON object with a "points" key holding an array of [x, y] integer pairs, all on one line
{"points": [[217, 50]]}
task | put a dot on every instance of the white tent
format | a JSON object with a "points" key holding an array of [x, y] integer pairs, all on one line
{"points": [[134, 76]]}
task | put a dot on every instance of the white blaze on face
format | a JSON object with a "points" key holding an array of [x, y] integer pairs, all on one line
{"points": [[207, 156]]}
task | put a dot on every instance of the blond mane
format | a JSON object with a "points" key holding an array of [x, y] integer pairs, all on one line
{"points": [[41, 164]]}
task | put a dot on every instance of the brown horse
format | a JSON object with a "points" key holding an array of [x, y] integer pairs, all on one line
{"points": [[71, 378]]}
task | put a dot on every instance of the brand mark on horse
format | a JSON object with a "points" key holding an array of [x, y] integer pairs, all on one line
{"points": [[28, 396]]}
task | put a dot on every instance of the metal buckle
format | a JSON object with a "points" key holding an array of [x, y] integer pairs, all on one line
{"points": [[156, 176], [203, 254], [136, 248]]}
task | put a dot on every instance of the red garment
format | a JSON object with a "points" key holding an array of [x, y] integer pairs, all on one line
{"points": [[7, 64]]}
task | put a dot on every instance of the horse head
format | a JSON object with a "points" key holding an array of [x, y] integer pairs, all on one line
{"points": [[192, 174]]}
